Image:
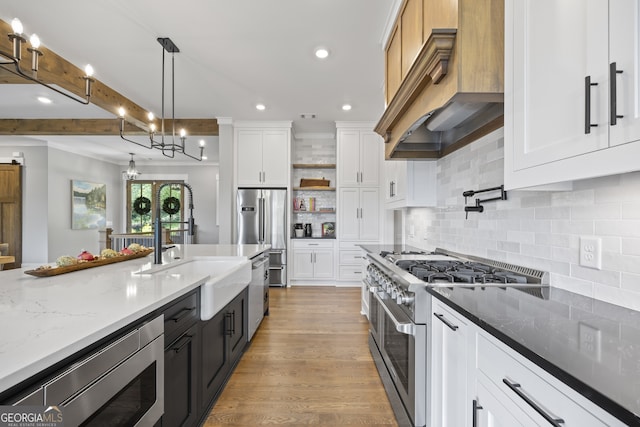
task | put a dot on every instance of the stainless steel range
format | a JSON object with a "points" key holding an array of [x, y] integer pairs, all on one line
{"points": [[400, 315]]}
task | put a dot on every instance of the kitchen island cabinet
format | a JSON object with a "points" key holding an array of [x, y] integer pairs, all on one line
{"points": [[224, 338], [94, 305], [570, 110]]}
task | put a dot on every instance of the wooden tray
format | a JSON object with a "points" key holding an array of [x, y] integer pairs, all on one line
{"points": [[54, 271]]}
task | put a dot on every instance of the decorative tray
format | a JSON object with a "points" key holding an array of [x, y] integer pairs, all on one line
{"points": [[54, 271]]}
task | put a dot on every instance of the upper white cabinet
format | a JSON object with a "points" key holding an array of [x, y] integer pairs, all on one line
{"points": [[359, 214], [571, 90], [359, 158], [409, 183], [263, 157]]}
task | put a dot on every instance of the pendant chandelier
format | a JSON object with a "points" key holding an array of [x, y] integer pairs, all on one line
{"points": [[11, 62], [131, 173], [172, 143]]}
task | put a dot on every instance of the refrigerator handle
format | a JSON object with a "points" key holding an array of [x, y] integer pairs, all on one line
{"points": [[262, 219]]}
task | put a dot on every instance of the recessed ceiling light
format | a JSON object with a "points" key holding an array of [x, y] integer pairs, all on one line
{"points": [[346, 107], [322, 53], [44, 100], [260, 107]]}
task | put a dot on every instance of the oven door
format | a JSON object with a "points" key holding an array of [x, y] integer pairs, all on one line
{"points": [[403, 350], [374, 312]]}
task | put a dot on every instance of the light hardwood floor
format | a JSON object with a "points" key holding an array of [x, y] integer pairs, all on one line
{"points": [[308, 364]]}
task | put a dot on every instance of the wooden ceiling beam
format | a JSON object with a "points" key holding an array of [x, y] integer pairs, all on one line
{"points": [[55, 70], [200, 127]]}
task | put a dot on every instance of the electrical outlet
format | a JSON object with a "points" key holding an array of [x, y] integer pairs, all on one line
{"points": [[590, 341], [591, 252]]}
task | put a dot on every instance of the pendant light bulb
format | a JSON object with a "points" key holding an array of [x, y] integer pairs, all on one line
{"points": [[88, 70], [35, 41], [16, 26], [121, 112], [150, 116]]}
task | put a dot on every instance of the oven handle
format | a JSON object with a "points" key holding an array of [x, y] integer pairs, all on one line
{"points": [[407, 328]]}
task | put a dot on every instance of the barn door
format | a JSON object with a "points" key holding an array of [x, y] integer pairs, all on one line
{"points": [[11, 211]]}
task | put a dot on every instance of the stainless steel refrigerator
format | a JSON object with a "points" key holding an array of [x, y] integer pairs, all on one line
{"points": [[262, 218]]}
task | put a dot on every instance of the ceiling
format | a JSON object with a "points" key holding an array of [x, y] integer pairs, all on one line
{"points": [[233, 55]]}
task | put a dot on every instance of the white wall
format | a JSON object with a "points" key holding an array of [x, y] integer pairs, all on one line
{"points": [[537, 229], [47, 176], [62, 168], [34, 201]]}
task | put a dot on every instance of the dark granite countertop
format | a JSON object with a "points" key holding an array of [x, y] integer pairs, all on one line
{"points": [[546, 331]]}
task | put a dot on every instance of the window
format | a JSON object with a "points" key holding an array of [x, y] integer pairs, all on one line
{"points": [[141, 206]]}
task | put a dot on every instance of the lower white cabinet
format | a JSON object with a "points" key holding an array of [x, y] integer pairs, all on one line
{"points": [[478, 381], [313, 260], [533, 391], [351, 262], [449, 368], [491, 409]]}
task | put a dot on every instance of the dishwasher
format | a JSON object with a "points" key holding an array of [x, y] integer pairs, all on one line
{"points": [[257, 298]]}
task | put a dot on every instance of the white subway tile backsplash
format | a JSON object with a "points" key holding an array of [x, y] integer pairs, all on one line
{"points": [[631, 210], [629, 228], [631, 282], [601, 211], [572, 227], [539, 229], [631, 247], [556, 212]]}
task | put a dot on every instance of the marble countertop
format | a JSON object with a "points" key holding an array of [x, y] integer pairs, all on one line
{"points": [[45, 320], [546, 331]]}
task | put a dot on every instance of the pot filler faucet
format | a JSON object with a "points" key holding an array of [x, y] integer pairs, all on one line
{"points": [[157, 229]]}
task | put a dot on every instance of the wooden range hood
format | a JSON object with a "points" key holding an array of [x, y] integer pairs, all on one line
{"points": [[452, 92], [55, 70]]}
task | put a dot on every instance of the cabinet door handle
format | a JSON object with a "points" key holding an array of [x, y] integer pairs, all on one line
{"points": [[474, 414], [229, 320], [517, 389], [186, 339], [446, 322], [587, 105], [181, 314], [613, 96]]}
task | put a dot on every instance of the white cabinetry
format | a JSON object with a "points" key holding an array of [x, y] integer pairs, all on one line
{"points": [[528, 393], [478, 381], [571, 90], [449, 367], [313, 260], [263, 157], [359, 206], [409, 183], [359, 158], [358, 213], [491, 409]]}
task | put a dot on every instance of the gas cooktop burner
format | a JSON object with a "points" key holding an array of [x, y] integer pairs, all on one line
{"points": [[454, 271]]}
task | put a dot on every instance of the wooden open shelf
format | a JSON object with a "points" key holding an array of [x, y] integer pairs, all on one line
{"points": [[314, 166], [314, 188]]}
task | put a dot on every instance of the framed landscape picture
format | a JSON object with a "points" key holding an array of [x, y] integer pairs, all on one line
{"points": [[88, 205]]}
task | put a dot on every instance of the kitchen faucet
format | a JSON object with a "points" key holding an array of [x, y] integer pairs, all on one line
{"points": [[157, 230]]}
